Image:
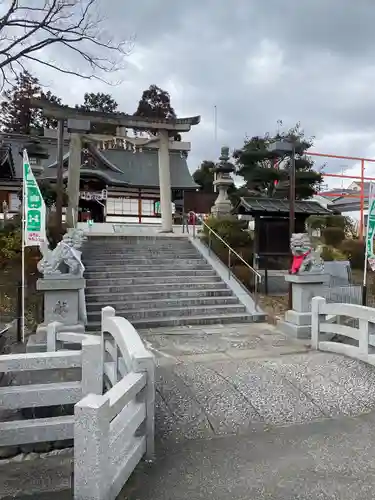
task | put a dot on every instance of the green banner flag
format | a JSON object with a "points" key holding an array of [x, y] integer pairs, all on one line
{"points": [[371, 228], [34, 208]]}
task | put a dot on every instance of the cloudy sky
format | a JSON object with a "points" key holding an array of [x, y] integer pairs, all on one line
{"points": [[258, 61]]}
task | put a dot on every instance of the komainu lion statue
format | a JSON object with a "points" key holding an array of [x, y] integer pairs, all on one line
{"points": [[66, 257], [305, 258]]}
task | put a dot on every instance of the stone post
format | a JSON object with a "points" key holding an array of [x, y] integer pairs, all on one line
{"points": [[62, 305], [165, 182], [92, 464], [297, 322], [75, 151], [76, 129]]}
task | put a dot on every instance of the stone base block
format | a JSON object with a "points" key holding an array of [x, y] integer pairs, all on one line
{"points": [[295, 331], [222, 210], [298, 319], [38, 341]]}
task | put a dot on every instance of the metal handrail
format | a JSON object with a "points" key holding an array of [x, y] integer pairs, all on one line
{"points": [[258, 276]]}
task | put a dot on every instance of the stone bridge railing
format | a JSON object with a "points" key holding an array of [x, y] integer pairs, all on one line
{"points": [[113, 421], [115, 430], [345, 315]]}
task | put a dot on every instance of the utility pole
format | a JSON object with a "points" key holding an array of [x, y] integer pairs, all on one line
{"points": [[292, 192], [215, 141], [292, 204]]}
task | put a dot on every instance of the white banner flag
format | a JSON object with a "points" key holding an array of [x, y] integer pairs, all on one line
{"points": [[34, 208]]}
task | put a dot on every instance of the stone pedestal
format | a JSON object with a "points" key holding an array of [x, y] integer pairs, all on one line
{"points": [[223, 206], [297, 322], [62, 303]]}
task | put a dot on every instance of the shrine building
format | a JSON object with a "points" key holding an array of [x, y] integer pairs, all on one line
{"points": [[119, 177]]}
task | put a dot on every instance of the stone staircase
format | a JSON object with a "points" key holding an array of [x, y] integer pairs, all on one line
{"points": [[156, 281]]}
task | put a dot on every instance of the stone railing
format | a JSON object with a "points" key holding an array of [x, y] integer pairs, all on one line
{"points": [[114, 431], [54, 394], [323, 328]]}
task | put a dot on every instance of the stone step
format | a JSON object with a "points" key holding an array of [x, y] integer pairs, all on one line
{"points": [[128, 240], [138, 237], [151, 280], [104, 288], [126, 266], [139, 260], [118, 259], [189, 252], [165, 243], [92, 298], [137, 248], [175, 243], [206, 319], [109, 244], [175, 312], [150, 273], [161, 303]]}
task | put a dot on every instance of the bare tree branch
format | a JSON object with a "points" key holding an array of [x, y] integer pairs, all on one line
{"points": [[75, 25]]}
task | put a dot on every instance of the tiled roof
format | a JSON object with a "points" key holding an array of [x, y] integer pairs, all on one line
{"points": [[118, 166], [273, 205], [337, 192], [142, 169]]}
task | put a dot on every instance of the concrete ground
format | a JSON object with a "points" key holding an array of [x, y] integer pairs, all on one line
{"points": [[327, 460], [243, 412], [231, 379]]}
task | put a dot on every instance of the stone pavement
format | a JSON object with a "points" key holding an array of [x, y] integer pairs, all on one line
{"points": [[328, 460], [244, 412], [230, 404], [232, 379]]}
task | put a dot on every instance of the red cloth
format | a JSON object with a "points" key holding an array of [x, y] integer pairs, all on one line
{"points": [[297, 262]]}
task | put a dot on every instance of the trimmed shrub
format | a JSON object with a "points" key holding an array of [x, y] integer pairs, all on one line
{"points": [[231, 230], [234, 232], [354, 250], [330, 253], [333, 236]]}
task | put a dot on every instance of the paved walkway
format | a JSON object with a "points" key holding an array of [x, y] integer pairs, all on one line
{"points": [[232, 379], [244, 412], [327, 460], [230, 404]]}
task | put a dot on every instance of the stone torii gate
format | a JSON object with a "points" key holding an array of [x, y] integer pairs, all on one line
{"points": [[79, 125]]}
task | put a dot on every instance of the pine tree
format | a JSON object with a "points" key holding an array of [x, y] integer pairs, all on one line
{"points": [[267, 174], [156, 103], [204, 176], [16, 113], [101, 102]]}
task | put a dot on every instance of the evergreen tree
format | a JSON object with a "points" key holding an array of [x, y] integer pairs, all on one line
{"points": [[267, 173], [16, 113], [204, 176], [156, 103], [100, 102]]}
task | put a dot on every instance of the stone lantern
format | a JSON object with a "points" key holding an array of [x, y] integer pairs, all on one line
{"points": [[223, 206], [36, 153]]}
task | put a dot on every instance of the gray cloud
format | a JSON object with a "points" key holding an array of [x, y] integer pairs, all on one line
{"points": [[258, 61]]}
